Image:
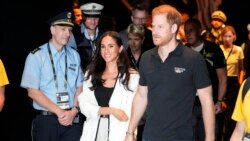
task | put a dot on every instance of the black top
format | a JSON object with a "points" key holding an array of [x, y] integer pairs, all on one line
{"points": [[215, 59], [133, 63], [172, 87], [103, 95]]}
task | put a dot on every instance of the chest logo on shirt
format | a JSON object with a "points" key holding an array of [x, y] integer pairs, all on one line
{"points": [[209, 61], [208, 54], [72, 67], [179, 70]]}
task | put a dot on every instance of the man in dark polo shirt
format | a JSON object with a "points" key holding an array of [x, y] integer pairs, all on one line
{"points": [[170, 77], [216, 65]]}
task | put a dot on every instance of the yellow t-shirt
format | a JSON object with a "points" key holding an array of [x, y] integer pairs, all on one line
{"points": [[233, 59], [3, 77], [241, 110]]}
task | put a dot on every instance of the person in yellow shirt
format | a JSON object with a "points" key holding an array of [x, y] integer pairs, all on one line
{"points": [[3, 81], [241, 115]]}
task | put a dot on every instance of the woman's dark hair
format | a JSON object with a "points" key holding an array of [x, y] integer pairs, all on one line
{"points": [[98, 65]]}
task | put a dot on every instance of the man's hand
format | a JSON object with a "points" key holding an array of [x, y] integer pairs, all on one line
{"points": [[67, 117], [220, 106]]}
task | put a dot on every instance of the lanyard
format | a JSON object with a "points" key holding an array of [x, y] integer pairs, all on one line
{"points": [[229, 53], [54, 71]]}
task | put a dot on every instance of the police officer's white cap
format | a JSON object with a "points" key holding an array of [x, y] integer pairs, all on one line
{"points": [[92, 9]]}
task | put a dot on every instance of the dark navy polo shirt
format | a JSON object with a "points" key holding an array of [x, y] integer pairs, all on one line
{"points": [[172, 87]]}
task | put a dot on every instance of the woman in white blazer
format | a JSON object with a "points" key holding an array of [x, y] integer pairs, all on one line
{"points": [[108, 91]]}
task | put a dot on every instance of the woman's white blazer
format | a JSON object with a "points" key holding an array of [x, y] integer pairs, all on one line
{"points": [[121, 98]]}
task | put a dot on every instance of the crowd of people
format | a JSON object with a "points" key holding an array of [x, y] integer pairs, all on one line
{"points": [[162, 78]]}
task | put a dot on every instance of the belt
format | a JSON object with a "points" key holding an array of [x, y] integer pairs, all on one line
{"points": [[44, 113], [79, 118]]}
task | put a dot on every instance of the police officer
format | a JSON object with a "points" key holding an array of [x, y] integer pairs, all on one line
{"points": [[218, 23], [85, 42], [53, 77]]}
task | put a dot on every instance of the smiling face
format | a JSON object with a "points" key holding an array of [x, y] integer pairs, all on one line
{"points": [[91, 22], [110, 50]]}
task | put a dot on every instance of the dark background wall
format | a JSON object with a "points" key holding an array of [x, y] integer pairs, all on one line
{"points": [[237, 12], [23, 28]]}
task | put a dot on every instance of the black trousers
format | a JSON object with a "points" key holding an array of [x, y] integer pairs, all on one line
{"points": [[47, 128], [199, 129], [231, 97]]}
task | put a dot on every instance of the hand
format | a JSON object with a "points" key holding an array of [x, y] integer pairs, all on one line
{"points": [[129, 138], [120, 114], [223, 105], [67, 117], [220, 107]]}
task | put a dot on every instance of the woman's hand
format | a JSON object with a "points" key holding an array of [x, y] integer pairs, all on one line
{"points": [[119, 114]]}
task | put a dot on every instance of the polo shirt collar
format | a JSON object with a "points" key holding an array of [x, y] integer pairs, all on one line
{"points": [[176, 52]]}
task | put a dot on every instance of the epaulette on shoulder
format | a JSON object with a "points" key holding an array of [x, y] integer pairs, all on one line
{"points": [[35, 50]]}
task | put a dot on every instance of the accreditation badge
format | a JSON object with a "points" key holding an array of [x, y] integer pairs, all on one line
{"points": [[63, 100]]}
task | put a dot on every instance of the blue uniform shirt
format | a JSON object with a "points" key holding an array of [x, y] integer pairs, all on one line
{"points": [[38, 73]]}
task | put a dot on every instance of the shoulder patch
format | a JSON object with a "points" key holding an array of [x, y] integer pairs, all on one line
{"points": [[35, 50]]}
